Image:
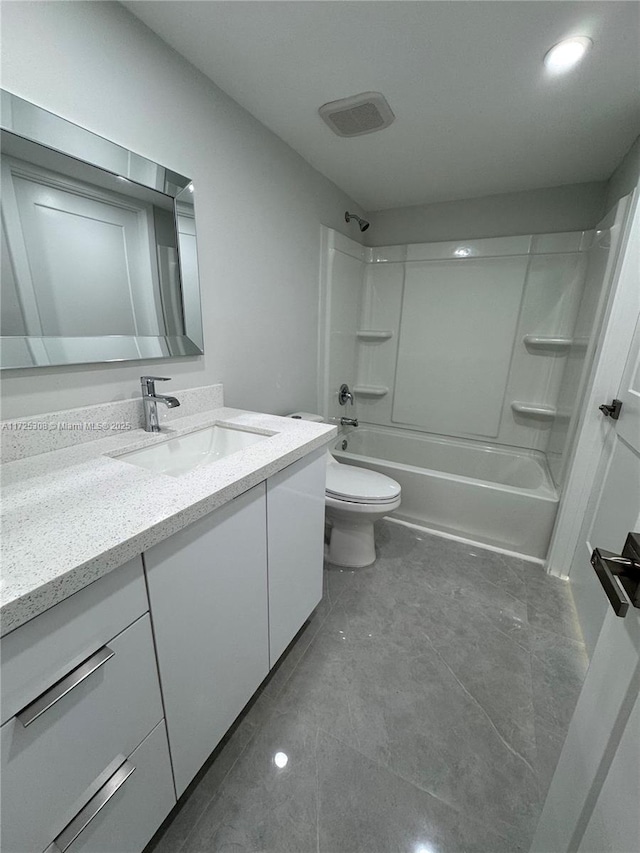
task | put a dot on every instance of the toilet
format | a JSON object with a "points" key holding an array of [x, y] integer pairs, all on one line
{"points": [[355, 498]]}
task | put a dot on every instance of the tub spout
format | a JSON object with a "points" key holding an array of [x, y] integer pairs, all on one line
{"points": [[349, 422]]}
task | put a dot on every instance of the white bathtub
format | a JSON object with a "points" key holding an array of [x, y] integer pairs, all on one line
{"points": [[494, 495]]}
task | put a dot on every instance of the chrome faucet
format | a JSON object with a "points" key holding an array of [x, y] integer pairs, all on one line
{"points": [[150, 401], [349, 422]]}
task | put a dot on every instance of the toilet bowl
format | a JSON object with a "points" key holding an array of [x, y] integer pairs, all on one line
{"points": [[355, 498]]}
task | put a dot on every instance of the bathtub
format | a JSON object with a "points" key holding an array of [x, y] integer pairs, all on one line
{"points": [[498, 496]]}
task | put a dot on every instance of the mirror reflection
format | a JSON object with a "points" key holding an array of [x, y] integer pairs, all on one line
{"points": [[95, 266]]}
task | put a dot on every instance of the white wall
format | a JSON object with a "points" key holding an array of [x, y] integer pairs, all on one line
{"points": [[626, 176], [575, 207], [259, 205]]}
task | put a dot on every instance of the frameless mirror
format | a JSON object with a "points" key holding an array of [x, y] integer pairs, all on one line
{"points": [[98, 248]]}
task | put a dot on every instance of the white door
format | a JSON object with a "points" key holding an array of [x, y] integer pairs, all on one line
{"points": [[89, 270], [592, 804], [612, 507]]}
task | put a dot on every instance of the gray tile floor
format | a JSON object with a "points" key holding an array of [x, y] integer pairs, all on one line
{"points": [[421, 710]]}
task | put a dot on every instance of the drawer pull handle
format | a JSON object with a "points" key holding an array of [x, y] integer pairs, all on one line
{"points": [[95, 805], [64, 686]]}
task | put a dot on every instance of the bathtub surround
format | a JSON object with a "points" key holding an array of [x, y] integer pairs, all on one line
{"points": [[258, 274], [476, 333], [467, 360]]}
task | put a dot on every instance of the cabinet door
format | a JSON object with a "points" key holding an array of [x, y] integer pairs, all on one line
{"points": [[295, 524], [208, 595], [135, 809]]}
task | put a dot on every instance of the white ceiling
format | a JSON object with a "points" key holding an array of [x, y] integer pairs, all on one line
{"points": [[476, 113]]}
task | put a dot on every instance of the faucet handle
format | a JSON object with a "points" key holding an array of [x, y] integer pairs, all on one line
{"points": [[148, 383], [344, 394]]}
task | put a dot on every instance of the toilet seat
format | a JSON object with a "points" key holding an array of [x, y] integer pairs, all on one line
{"points": [[360, 486]]}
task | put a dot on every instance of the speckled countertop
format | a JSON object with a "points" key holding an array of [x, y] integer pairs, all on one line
{"points": [[72, 515]]}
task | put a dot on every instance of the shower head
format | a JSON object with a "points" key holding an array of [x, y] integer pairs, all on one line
{"points": [[361, 222]]}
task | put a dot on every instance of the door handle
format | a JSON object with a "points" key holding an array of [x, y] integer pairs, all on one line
{"points": [[52, 696], [620, 574], [611, 410], [95, 805]]}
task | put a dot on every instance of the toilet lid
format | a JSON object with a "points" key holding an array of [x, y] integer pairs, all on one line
{"points": [[359, 485]]}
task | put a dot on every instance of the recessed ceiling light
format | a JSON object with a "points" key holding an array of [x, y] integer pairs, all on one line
{"points": [[566, 54]]}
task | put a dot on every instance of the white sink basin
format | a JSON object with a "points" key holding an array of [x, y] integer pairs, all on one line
{"points": [[193, 450]]}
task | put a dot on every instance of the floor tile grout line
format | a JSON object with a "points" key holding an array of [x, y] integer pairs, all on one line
{"points": [[318, 798], [478, 572], [535, 726], [487, 618], [572, 640], [308, 646], [473, 699], [504, 633], [502, 589], [447, 596], [504, 561], [272, 710], [482, 709], [393, 772], [216, 793]]}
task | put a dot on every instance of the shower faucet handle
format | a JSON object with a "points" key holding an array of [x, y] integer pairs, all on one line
{"points": [[344, 394]]}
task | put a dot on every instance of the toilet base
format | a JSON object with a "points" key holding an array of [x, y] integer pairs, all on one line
{"points": [[351, 542], [352, 546]]}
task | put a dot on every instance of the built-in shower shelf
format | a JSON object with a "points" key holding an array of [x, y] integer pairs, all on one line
{"points": [[374, 334], [534, 410], [547, 342], [370, 390]]}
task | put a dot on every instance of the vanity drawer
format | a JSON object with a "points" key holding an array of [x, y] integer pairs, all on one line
{"points": [[38, 654], [50, 762], [126, 812]]}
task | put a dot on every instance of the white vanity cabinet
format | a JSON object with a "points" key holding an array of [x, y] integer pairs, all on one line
{"points": [[80, 697], [222, 591], [89, 763]]}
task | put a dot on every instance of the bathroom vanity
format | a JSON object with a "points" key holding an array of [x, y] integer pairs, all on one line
{"points": [[121, 673]]}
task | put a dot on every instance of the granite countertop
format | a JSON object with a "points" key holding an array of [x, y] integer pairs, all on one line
{"points": [[70, 516]]}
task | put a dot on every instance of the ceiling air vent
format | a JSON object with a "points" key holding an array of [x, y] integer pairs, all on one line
{"points": [[358, 114]]}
